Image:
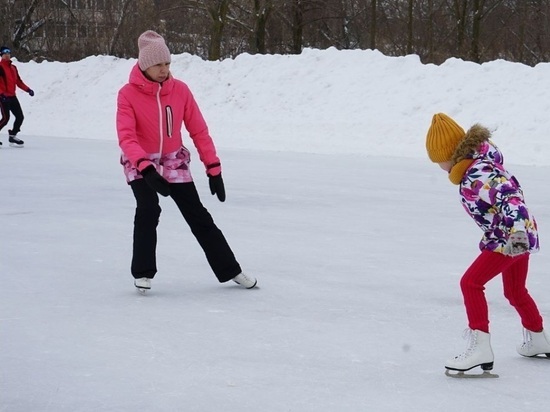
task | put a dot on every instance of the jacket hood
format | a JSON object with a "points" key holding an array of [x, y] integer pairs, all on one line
{"points": [[468, 148], [138, 79]]}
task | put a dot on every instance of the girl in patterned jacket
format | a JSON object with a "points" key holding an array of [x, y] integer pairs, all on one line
{"points": [[151, 110], [494, 200]]}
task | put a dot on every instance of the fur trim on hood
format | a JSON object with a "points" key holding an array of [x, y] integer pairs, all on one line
{"points": [[469, 145]]}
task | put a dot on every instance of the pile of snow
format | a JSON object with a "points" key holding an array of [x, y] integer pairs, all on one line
{"points": [[322, 101]]}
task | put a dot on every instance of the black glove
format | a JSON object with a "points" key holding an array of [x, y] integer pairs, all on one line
{"points": [[156, 181], [216, 186], [3, 98], [31, 92]]}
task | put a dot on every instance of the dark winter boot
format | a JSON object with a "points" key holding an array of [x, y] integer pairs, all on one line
{"points": [[14, 140]]}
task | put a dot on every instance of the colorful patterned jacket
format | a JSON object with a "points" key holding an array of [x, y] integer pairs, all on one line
{"points": [[492, 196], [149, 120]]}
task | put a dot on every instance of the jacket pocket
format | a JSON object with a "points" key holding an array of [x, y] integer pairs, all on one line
{"points": [[169, 120]]}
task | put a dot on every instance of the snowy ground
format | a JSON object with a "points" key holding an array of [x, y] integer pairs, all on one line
{"points": [[358, 260], [357, 240]]}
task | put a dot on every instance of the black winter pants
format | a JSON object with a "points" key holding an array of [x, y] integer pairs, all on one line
{"points": [[213, 243], [11, 104]]}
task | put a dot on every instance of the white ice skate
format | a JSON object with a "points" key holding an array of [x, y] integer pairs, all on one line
{"points": [[245, 281], [534, 344], [142, 285], [478, 353]]}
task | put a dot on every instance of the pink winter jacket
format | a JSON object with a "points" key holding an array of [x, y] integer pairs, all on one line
{"points": [[149, 121]]}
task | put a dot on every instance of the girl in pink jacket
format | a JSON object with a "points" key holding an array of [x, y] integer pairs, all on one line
{"points": [[151, 110]]}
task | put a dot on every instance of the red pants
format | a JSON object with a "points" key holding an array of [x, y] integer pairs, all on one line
{"points": [[514, 275]]}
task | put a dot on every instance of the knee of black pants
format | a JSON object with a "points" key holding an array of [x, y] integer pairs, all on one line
{"points": [[147, 216]]}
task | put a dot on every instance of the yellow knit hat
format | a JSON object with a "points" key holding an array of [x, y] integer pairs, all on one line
{"points": [[443, 138]]}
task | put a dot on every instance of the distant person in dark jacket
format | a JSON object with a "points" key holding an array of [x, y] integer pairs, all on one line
{"points": [[9, 80]]}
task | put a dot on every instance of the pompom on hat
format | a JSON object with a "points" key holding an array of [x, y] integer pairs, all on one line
{"points": [[443, 137], [152, 50]]}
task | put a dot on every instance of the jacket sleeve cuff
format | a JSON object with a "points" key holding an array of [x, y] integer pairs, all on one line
{"points": [[213, 169], [142, 164]]}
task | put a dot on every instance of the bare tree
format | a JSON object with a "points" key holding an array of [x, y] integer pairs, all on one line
{"points": [[119, 22], [461, 16], [25, 27], [297, 25], [217, 13], [410, 26], [430, 30], [478, 30], [217, 10], [372, 22], [261, 14]]}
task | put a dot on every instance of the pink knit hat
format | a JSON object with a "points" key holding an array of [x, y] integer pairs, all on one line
{"points": [[152, 50]]}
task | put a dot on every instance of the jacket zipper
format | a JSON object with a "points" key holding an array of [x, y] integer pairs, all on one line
{"points": [[161, 140]]}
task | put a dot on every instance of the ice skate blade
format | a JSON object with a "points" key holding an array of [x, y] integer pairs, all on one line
{"points": [[539, 356], [16, 145], [462, 375], [142, 291]]}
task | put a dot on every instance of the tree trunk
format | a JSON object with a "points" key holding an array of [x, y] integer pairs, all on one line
{"points": [[475, 53], [21, 30], [218, 14], [461, 12], [372, 34], [430, 31], [410, 27], [298, 27], [261, 16], [119, 23]]}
